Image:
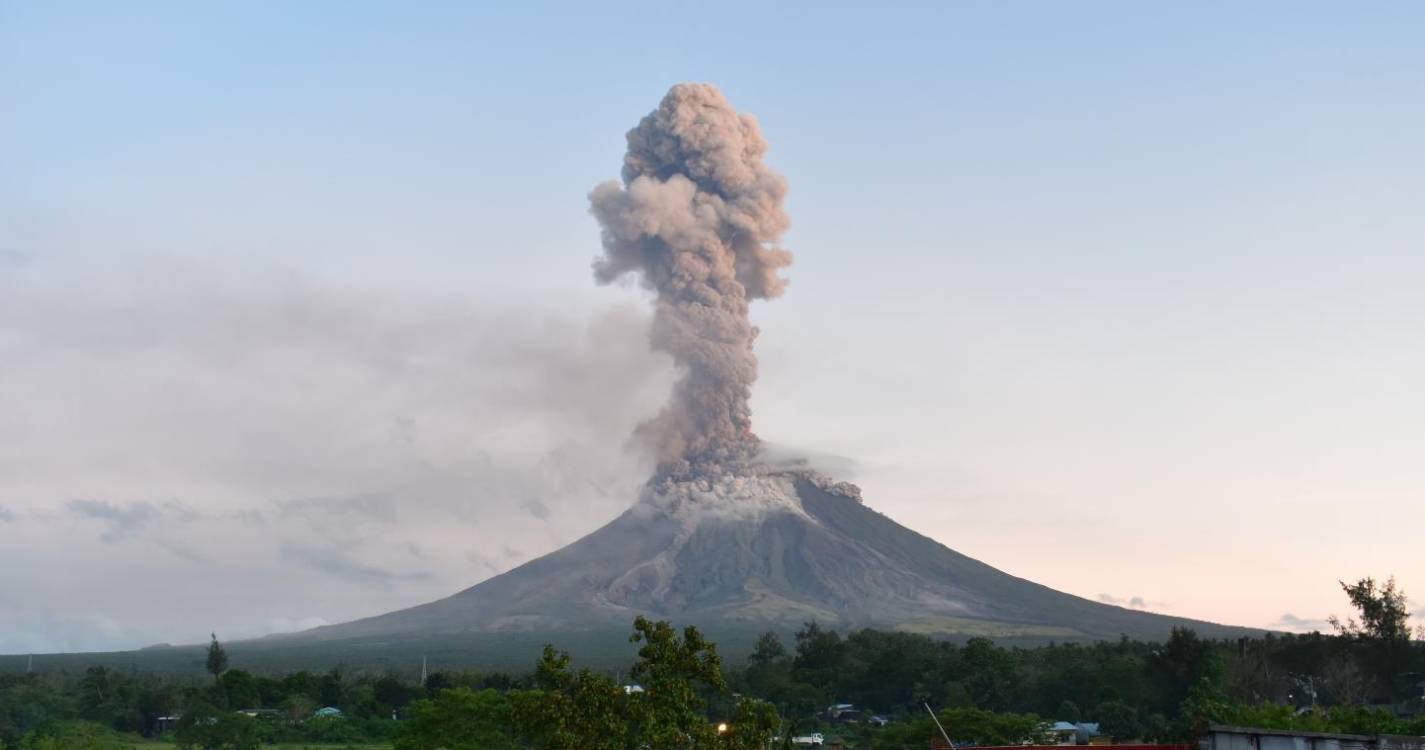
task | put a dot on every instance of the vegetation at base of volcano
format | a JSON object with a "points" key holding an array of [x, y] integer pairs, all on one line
{"points": [[1363, 679]]}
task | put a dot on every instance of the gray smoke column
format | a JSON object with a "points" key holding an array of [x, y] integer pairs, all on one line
{"points": [[698, 217]]}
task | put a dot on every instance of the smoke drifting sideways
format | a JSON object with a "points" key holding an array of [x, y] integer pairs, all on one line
{"points": [[698, 217]]}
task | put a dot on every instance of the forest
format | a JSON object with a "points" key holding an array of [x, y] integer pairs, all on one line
{"points": [[1366, 677]]}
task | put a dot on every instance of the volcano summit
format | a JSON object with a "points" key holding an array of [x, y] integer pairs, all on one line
{"points": [[720, 537]]}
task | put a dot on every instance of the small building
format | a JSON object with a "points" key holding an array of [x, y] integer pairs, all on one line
{"points": [[1223, 737], [327, 711], [1064, 733]]}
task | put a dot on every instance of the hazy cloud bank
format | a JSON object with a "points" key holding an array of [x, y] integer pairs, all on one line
{"points": [[210, 427]]}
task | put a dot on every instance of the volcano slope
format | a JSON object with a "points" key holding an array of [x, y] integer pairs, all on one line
{"points": [[814, 554]]}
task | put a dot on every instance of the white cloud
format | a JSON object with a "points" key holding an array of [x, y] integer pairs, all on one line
{"points": [[1132, 602], [1289, 621]]}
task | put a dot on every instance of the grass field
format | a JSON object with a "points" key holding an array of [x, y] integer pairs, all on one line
{"points": [[299, 746], [138, 743], [85, 735]]}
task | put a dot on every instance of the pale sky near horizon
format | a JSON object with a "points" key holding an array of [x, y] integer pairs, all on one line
{"points": [[297, 323]]}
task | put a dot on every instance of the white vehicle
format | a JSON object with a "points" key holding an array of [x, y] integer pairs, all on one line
{"points": [[814, 738]]}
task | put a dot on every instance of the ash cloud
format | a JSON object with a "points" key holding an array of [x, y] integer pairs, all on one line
{"points": [[698, 217]]}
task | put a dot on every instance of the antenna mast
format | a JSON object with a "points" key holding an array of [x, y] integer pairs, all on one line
{"points": [[936, 719]]}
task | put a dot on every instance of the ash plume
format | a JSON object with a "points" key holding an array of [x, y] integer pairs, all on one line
{"points": [[698, 216]]}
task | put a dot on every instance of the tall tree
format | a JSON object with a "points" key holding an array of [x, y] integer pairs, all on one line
{"points": [[673, 670], [1383, 628], [1383, 611], [217, 658], [1184, 664], [768, 650], [565, 711]]}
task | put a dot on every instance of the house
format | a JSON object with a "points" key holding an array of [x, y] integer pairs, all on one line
{"points": [[326, 711], [1064, 733], [166, 723]]}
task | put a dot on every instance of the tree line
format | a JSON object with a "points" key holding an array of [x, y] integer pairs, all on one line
{"points": [[1365, 678]]}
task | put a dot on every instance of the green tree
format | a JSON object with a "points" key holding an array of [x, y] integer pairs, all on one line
{"points": [[390, 693], [968, 725], [1383, 611], [819, 651], [571, 710], [459, 719], [987, 672], [1204, 705], [239, 689], [752, 726], [298, 706], [989, 728], [217, 658], [672, 670], [1118, 720], [769, 649], [1182, 665], [1383, 629], [330, 689], [205, 727]]}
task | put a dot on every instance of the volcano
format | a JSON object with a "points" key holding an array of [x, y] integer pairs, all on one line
{"points": [[806, 550], [719, 538]]}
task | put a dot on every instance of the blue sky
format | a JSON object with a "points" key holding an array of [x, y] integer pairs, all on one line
{"points": [[1074, 284]]}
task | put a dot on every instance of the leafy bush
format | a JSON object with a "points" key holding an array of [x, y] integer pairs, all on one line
{"points": [[459, 719]]}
